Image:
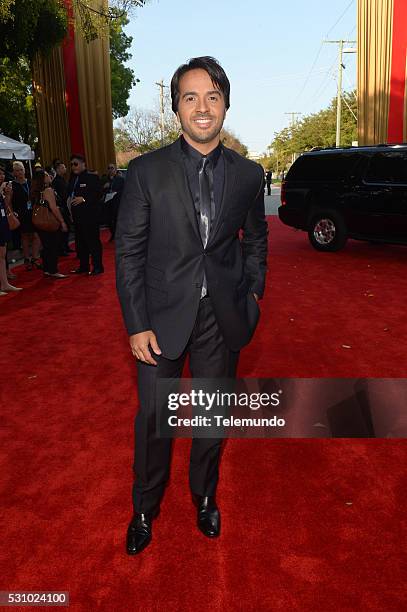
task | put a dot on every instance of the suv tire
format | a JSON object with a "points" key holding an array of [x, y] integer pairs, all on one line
{"points": [[327, 231]]}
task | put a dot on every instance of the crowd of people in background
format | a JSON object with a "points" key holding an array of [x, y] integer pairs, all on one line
{"points": [[80, 205]]}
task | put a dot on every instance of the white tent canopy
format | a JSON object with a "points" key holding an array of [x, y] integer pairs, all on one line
{"points": [[12, 149]]}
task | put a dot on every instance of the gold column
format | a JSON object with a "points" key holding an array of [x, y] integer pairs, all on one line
{"points": [[49, 97], [95, 99], [375, 33]]}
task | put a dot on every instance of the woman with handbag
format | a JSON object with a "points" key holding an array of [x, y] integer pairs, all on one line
{"points": [[5, 235], [48, 221]]}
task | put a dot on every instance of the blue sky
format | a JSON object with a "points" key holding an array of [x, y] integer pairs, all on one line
{"points": [[271, 50]]}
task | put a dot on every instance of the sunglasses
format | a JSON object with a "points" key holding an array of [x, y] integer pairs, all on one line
{"points": [[74, 163]]}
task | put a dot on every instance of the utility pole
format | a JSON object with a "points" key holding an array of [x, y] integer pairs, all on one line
{"points": [[293, 120], [340, 70], [162, 86], [292, 123]]}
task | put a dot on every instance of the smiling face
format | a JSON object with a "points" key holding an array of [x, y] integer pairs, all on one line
{"points": [[201, 110]]}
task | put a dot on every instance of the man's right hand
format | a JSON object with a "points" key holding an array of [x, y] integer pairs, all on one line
{"points": [[139, 344]]}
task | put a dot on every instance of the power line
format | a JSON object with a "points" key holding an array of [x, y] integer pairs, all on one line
{"points": [[340, 18], [290, 77], [347, 104], [320, 49]]}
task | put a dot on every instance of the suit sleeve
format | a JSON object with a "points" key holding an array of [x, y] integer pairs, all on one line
{"points": [[93, 190], [131, 240], [254, 242]]}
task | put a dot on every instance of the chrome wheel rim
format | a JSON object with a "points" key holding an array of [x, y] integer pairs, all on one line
{"points": [[324, 231]]}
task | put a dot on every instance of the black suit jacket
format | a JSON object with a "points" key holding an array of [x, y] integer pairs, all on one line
{"points": [[160, 258], [89, 187]]}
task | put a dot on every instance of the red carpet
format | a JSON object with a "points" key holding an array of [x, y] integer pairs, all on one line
{"points": [[307, 524]]}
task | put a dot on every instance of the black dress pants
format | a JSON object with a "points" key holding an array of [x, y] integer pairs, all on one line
{"points": [[209, 358], [51, 242], [87, 236], [113, 209]]}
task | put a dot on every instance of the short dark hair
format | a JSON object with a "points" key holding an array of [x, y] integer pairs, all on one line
{"points": [[212, 67], [77, 156]]}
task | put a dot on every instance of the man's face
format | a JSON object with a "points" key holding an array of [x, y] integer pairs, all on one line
{"points": [[77, 166], [201, 107], [61, 169], [111, 170]]}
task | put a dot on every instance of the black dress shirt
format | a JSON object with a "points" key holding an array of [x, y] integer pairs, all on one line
{"points": [[191, 159]]}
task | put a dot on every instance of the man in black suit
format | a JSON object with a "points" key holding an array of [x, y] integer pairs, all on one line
{"points": [[269, 176], [84, 194], [188, 283]]}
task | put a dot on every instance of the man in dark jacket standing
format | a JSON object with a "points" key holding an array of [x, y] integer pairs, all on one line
{"points": [[187, 283], [84, 193]]}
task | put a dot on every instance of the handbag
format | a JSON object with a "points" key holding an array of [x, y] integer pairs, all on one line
{"points": [[13, 221], [43, 218]]}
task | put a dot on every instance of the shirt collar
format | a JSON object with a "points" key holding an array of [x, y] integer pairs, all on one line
{"points": [[195, 155]]}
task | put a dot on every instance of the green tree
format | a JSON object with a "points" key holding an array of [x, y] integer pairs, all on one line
{"points": [[231, 141], [122, 77], [30, 27], [17, 114], [316, 130], [26, 28], [140, 130]]}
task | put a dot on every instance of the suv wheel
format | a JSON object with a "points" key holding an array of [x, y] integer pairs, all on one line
{"points": [[327, 231]]}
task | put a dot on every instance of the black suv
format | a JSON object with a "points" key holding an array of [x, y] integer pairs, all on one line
{"points": [[355, 192]]}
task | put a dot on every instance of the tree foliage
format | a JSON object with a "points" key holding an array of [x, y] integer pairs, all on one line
{"points": [[122, 77], [230, 140], [17, 115], [95, 18], [28, 27], [316, 130], [140, 130]]}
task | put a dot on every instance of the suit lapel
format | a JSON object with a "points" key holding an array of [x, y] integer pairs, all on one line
{"points": [[181, 182], [228, 191]]}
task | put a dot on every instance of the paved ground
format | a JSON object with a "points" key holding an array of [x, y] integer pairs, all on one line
{"points": [[272, 202]]}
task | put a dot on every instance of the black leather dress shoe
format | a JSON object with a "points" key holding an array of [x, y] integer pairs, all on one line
{"points": [[139, 533], [79, 271], [208, 516], [96, 272]]}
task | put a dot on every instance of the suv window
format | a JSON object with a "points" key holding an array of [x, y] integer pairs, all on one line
{"points": [[388, 167], [328, 167]]}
